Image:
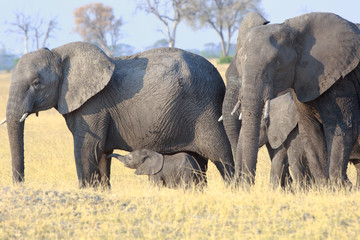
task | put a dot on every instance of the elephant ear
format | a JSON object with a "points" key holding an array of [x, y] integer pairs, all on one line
{"points": [[86, 71], [283, 119], [152, 164], [328, 48]]}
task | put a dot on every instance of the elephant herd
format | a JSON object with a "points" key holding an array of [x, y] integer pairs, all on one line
{"points": [[293, 87]]}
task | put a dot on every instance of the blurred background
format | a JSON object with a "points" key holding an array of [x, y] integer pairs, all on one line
{"points": [[125, 27]]}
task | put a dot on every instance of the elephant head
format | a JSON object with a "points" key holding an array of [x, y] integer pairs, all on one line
{"points": [[233, 82], [146, 162], [283, 118], [308, 53], [64, 78]]}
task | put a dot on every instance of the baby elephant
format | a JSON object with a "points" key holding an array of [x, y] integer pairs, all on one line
{"points": [[177, 170]]}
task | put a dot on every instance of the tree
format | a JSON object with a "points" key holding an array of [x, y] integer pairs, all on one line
{"points": [[122, 49], [22, 26], [96, 23], [159, 43], [39, 31], [7, 59], [169, 16], [224, 16], [26, 25]]}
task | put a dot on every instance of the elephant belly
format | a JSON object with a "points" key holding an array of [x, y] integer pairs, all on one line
{"points": [[153, 127]]}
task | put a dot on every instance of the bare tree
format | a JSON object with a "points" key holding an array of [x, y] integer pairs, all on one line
{"points": [[51, 26], [22, 26], [96, 22], [36, 27], [224, 16], [170, 16], [31, 28]]}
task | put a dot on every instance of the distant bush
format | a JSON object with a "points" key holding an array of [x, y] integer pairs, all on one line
{"points": [[225, 60], [16, 60]]}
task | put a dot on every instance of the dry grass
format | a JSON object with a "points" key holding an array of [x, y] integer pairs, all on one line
{"points": [[49, 204]]}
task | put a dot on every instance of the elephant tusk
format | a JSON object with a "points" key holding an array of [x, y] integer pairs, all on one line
{"points": [[267, 109], [24, 117], [3, 121], [240, 116], [237, 106], [220, 118]]}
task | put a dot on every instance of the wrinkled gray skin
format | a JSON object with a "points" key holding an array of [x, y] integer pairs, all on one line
{"points": [[279, 133], [317, 55], [177, 170], [281, 124], [166, 99]]}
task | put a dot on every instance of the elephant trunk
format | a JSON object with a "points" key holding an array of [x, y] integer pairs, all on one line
{"points": [[232, 124], [16, 140], [118, 157], [15, 118], [252, 106]]}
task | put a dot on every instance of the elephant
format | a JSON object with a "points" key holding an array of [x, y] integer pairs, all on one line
{"points": [[166, 99], [279, 133], [280, 137], [317, 55], [173, 171]]}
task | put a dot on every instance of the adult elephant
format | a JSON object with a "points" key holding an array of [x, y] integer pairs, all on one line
{"points": [[317, 55], [279, 133], [167, 100], [279, 136]]}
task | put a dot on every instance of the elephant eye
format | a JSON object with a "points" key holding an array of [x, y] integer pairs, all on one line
{"points": [[36, 83]]}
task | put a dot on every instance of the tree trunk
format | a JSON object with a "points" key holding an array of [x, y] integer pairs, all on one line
{"points": [[26, 43], [223, 44]]}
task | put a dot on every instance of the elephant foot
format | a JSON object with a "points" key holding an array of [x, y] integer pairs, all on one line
{"points": [[96, 182]]}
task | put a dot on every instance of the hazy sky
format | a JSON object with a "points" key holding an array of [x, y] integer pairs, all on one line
{"points": [[141, 30]]}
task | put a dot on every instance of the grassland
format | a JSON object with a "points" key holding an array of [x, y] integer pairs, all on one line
{"points": [[49, 204]]}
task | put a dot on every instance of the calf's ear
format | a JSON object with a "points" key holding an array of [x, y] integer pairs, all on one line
{"points": [[283, 119]]}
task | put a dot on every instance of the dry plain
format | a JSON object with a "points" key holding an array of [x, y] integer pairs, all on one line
{"points": [[49, 204]]}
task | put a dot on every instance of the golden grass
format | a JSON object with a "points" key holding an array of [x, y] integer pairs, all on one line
{"points": [[49, 204]]}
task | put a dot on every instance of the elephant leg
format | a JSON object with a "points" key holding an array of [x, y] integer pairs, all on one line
{"points": [[201, 178], [279, 171], [89, 132], [212, 143], [104, 170], [313, 139], [339, 109], [296, 157], [92, 167], [356, 163], [298, 169]]}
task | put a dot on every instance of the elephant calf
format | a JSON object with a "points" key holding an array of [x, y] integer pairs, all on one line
{"points": [[172, 171]]}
